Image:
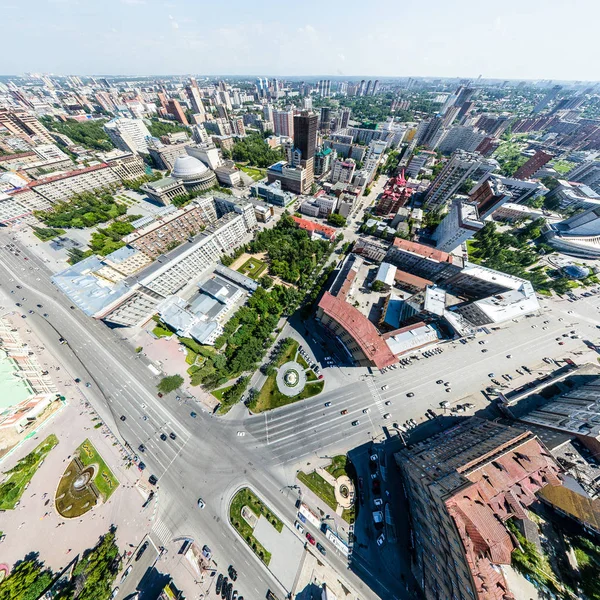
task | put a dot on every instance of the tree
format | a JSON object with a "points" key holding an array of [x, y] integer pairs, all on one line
{"points": [[378, 286], [266, 281], [170, 383], [336, 220], [27, 580], [537, 202], [551, 203]]}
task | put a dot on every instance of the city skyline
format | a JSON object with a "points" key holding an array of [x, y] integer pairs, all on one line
{"points": [[143, 37]]}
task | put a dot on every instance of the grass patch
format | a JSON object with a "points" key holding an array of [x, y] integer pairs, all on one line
{"points": [[256, 174], [310, 375], [316, 484], [218, 394], [288, 355], [253, 268], [246, 497], [191, 357], [105, 481], [337, 468], [22, 473], [300, 360], [161, 332], [562, 167], [270, 397]]}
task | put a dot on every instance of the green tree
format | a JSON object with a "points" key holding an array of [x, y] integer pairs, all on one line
{"points": [[27, 580], [378, 286], [336, 220], [266, 281], [552, 203], [170, 383]]}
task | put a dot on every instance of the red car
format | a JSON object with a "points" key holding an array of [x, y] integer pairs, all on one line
{"points": [[311, 539]]}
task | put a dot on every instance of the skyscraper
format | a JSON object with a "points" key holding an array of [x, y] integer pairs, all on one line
{"points": [[550, 95], [174, 108], [130, 135], [193, 94], [361, 88], [432, 132], [375, 87], [325, 124], [369, 87], [305, 140], [344, 118]]}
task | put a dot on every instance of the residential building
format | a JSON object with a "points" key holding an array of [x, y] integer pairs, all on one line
{"points": [[461, 223], [129, 135], [394, 196], [430, 135], [61, 187], [588, 173], [271, 193], [548, 97], [126, 165], [371, 248], [345, 117], [325, 120], [174, 108], [195, 98], [512, 212], [460, 138], [342, 170], [461, 167], [462, 486], [164, 155], [22, 124], [292, 179], [164, 190], [574, 195], [533, 165], [283, 122], [323, 159], [168, 231], [418, 162]]}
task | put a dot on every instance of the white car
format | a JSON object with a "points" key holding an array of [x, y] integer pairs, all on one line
{"points": [[299, 527], [384, 387], [378, 501], [241, 433], [387, 402], [380, 540], [387, 416], [201, 503]]}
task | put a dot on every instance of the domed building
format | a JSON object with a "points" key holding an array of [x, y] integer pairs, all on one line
{"points": [[194, 175]]}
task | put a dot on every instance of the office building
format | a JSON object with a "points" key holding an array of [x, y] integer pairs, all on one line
{"points": [[129, 135], [321, 206], [430, 134], [460, 224], [577, 236], [292, 179], [164, 155], [325, 120], [23, 124], [461, 167], [134, 296], [305, 140], [168, 230], [345, 117], [342, 170], [462, 485], [533, 165], [60, 188], [323, 159], [195, 98], [272, 193], [283, 122], [206, 152], [574, 195]]}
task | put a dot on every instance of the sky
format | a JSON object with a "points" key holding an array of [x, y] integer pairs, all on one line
{"points": [[506, 39]]}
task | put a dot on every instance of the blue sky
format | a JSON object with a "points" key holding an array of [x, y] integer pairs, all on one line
{"points": [[512, 39]]}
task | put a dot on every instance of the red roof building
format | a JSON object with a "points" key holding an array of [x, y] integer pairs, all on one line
{"points": [[316, 228], [394, 196], [355, 332], [463, 485]]}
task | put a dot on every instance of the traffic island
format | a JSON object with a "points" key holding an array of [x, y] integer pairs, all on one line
{"points": [[86, 482]]}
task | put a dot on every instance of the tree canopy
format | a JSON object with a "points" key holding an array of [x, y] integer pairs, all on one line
{"points": [[170, 383], [89, 134], [159, 128], [255, 151], [27, 580]]}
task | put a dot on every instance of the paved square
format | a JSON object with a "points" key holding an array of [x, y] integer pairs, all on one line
{"points": [[286, 551]]}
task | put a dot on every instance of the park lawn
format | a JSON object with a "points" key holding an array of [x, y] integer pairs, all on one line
{"points": [[300, 360], [316, 484], [310, 375], [105, 481], [245, 497], [562, 167], [253, 268], [270, 397], [289, 354], [22, 473], [218, 394]]}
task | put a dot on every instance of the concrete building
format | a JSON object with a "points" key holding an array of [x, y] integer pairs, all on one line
{"points": [[371, 248], [574, 195], [462, 486], [460, 224], [207, 152], [418, 162], [516, 212], [305, 140], [194, 174], [321, 206], [126, 165], [25, 125], [460, 168], [62, 187], [164, 190], [283, 122], [342, 170], [292, 179], [164, 155], [460, 138], [168, 231], [588, 173], [577, 236], [272, 193], [134, 298], [130, 135], [322, 164]]}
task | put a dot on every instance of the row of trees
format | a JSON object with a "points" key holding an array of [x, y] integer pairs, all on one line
{"points": [[158, 128], [255, 151], [92, 579], [83, 210]]}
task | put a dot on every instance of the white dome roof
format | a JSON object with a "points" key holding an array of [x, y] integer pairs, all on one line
{"points": [[188, 167]]}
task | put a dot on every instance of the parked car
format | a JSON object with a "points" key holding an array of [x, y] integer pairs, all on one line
{"points": [[163, 437], [172, 436], [321, 549], [201, 503], [355, 423], [232, 573], [310, 539], [380, 540], [219, 584], [298, 527], [141, 550]]}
